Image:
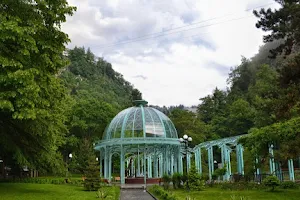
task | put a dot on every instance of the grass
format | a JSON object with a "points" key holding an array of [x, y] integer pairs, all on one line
{"points": [[28, 191], [219, 194]]}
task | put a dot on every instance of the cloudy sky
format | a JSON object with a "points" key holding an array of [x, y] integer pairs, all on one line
{"points": [[173, 51]]}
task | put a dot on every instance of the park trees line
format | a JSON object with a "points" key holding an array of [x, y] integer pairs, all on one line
{"points": [[263, 94], [53, 101]]}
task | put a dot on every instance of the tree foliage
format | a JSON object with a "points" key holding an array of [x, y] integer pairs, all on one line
{"points": [[187, 122], [98, 93], [283, 24], [263, 94], [33, 103]]}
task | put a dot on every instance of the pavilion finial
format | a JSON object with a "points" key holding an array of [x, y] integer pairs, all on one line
{"points": [[140, 102]]}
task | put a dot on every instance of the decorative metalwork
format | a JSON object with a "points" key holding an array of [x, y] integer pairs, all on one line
{"points": [[148, 145], [146, 141]]}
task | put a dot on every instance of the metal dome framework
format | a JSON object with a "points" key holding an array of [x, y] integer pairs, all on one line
{"points": [[146, 141]]}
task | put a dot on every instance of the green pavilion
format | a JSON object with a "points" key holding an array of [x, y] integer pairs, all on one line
{"points": [[146, 141], [148, 146]]}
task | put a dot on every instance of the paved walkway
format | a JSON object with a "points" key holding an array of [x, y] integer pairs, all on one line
{"points": [[135, 194]]}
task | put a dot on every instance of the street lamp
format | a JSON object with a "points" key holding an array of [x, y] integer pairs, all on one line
{"points": [[67, 163], [186, 139]]}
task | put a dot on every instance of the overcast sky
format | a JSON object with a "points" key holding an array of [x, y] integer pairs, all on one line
{"points": [[173, 51]]}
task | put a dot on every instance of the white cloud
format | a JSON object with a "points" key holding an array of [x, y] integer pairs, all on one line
{"points": [[180, 67]]}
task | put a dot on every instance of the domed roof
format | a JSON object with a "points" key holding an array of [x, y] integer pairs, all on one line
{"points": [[140, 122]]}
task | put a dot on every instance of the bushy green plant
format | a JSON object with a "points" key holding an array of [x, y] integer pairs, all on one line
{"points": [[205, 177], [93, 180], [184, 178], [219, 173], [102, 193], [166, 180], [176, 179], [194, 179], [272, 182], [289, 185], [162, 194]]}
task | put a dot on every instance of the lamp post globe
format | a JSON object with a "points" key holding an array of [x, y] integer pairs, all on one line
{"points": [[185, 137], [180, 139], [190, 139]]}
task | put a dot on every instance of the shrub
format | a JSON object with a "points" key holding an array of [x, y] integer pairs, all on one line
{"points": [[271, 181], [166, 179], [162, 194], [219, 173], [176, 179], [195, 182], [205, 177], [289, 185], [92, 181]]}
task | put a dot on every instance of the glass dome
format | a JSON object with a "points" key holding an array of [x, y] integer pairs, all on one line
{"points": [[140, 122]]}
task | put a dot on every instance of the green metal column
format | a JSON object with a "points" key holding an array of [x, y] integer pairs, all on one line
{"points": [[278, 171], [132, 167], [109, 167], [189, 161], [272, 162], [122, 165], [161, 165], [196, 160], [142, 165], [175, 163], [155, 166], [168, 159], [149, 166], [127, 161], [200, 161], [145, 169], [164, 162], [179, 161], [291, 170], [138, 162], [224, 160], [172, 164], [257, 169], [210, 162], [181, 164], [240, 159], [106, 163], [228, 166], [101, 161]]}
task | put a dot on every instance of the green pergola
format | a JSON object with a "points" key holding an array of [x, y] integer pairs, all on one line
{"points": [[147, 143]]}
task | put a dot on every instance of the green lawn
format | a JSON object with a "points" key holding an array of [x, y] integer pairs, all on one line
{"points": [[219, 194], [28, 191]]}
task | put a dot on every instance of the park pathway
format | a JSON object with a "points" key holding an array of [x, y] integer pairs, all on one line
{"points": [[135, 194]]}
